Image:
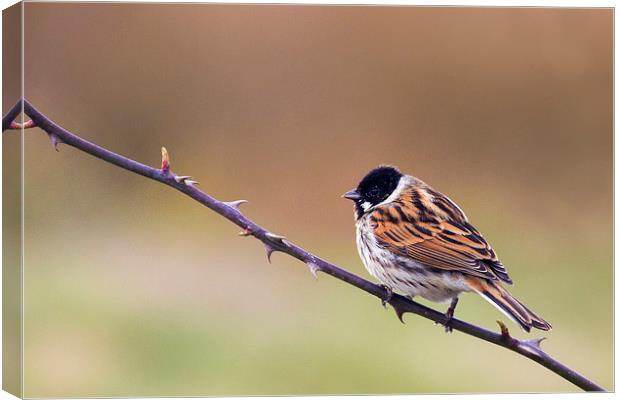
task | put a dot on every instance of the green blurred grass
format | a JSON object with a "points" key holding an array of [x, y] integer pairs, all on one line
{"points": [[299, 337]]}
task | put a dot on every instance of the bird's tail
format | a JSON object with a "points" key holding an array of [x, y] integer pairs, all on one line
{"points": [[495, 294]]}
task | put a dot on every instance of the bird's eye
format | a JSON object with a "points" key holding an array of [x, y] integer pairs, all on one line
{"points": [[373, 192]]}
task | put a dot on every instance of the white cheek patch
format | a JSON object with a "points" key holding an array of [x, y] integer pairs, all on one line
{"points": [[366, 205]]}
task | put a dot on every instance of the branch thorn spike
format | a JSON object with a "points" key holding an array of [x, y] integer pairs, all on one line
{"points": [[186, 179], [182, 178], [269, 249], [536, 342], [313, 269], [235, 204], [275, 237], [532, 345], [399, 313], [165, 160], [55, 141]]}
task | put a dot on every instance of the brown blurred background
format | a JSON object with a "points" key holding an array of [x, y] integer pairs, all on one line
{"points": [[133, 289]]}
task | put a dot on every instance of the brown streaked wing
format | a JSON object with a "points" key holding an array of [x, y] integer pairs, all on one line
{"points": [[417, 231]]}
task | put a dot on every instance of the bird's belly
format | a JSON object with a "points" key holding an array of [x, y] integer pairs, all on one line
{"points": [[407, 276], [414, 279]]}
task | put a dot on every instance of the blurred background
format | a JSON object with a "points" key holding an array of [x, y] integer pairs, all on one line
{"points": [[132, 289]]}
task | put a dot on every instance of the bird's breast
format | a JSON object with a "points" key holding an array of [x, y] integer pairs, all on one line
{"points": [[404, 274]]}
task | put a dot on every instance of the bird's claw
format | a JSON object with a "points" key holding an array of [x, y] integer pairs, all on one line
{"points": [[448, 316], [385, 300], [445, 323]]}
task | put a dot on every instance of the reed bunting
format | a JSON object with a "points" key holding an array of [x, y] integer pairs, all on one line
{"points": [[417, 241]]}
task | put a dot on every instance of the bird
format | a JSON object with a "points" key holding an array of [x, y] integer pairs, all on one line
{"points": [[417, 241]]}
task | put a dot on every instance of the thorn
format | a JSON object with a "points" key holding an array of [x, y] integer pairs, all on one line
{"points": [[313, 269], [532, 345], [269, 249], [535, 342], [186, 180], [235, 204], [275, 237], [504, 330], [245, 232], [55, 141], [180, 179], [165, 161], [399, 313]]}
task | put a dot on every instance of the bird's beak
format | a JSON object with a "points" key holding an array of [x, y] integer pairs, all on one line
{"points": [[352, 195]]}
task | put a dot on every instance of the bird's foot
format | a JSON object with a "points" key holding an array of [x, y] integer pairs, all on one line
{"points": [[446, 321], [448, 316], [385, 300]]}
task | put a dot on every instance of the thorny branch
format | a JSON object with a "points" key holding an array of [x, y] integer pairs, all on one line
{"points": [[272, 242]]}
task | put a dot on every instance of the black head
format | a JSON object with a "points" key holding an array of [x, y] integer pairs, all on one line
{"points": [[376, 186]]}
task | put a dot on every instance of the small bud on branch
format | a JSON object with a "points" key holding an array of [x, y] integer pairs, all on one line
{"points": [[26, 125], [165, 161], [245, 232]]}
